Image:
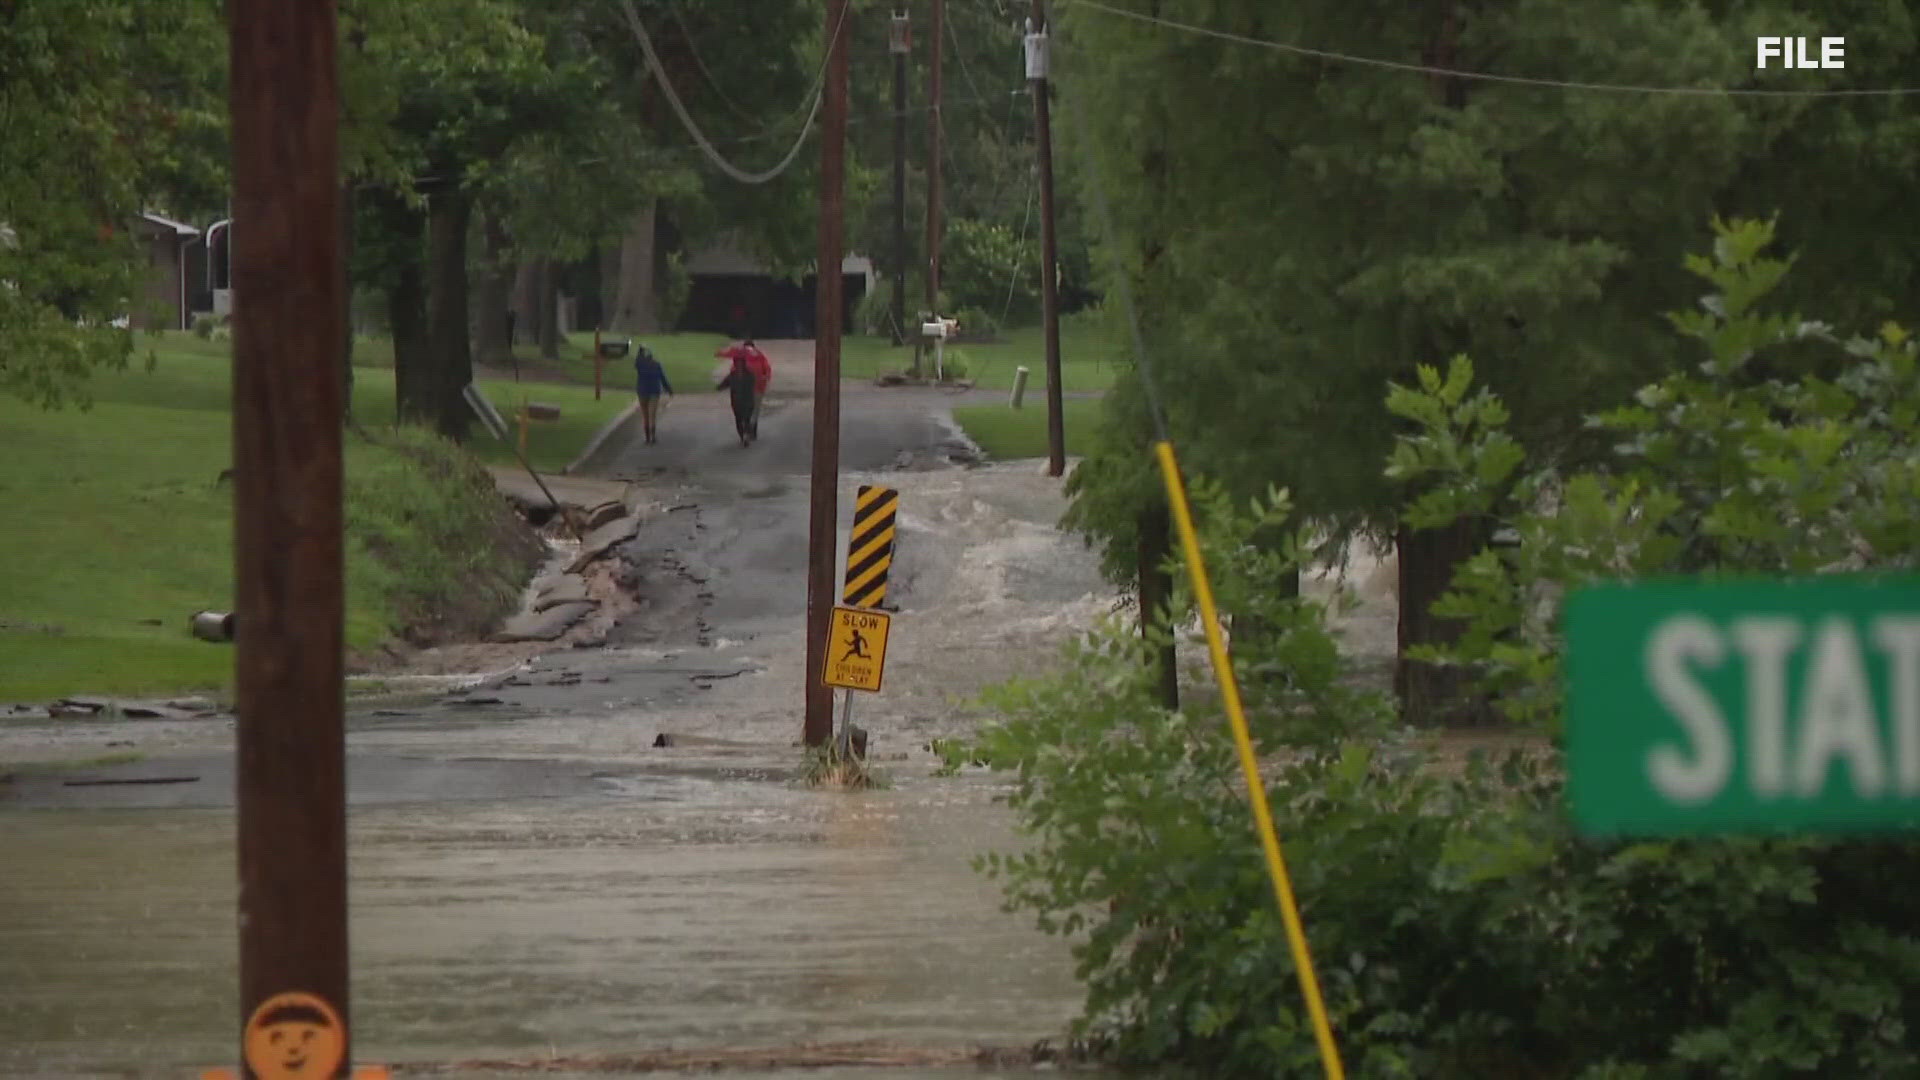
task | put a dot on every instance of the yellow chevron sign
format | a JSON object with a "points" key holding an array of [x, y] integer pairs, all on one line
{"points": [[870, 550]]}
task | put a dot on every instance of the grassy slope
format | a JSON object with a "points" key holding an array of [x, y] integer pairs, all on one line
{"points": [[1008, 434], [118, 530]]}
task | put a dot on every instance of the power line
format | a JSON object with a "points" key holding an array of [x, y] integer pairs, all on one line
{"points": [[700, 137], [718, 90], [1020, 252], [1481, 76]]}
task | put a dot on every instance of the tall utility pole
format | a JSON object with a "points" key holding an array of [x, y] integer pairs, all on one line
{"points": [[826, 381], [898, 44], [288, 596], [1037, 57], [935, 226]]}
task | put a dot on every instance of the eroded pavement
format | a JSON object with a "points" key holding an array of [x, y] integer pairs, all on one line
{"points": [[533, 878]]}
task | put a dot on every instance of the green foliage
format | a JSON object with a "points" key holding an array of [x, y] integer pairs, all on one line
{"points": [[1459, 928], [676, 286], [122, 94], [982, 262], [1299, 232], [826, 766], [874, 314], [976, 325]]}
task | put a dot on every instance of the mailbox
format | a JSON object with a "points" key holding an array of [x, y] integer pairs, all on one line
{"points": [[614, 350]]}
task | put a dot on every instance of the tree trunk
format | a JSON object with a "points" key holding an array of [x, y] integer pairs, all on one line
{"points": [[1430, 694], [547, 297], [490, 338], [407, 315], [448, 214], [1155, 588], [526, 302], [405, 227], [636, 308]]}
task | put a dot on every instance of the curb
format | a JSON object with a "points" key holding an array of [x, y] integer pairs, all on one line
{"points": [[606, 431]]}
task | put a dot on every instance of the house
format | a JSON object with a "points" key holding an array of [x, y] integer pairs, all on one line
{"points": [[165, 302], [728, 283]]}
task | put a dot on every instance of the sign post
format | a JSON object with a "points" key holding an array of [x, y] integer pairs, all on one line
{"points": [[869, 556], [1708, 707]]}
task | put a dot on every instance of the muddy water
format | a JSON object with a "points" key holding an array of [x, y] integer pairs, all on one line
{"points": [[674, 912]]}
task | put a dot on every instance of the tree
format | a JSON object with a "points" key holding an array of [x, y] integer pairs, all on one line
{"points": [[447, 92], [1314, 229], [119, 93]]}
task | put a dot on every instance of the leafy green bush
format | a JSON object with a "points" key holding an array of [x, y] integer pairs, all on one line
{"points": [[874, 315], [1459, 927], [982, 260], [976, 325], [954, 365], [203, 325]]}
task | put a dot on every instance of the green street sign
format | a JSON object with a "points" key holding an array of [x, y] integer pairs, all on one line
{"points": [[1744, 706]]}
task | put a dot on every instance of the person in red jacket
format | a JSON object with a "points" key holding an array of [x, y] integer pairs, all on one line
{"points": [[749, 360]]}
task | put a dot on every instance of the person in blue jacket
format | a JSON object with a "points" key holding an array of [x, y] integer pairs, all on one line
{"points": [[651, 382]]}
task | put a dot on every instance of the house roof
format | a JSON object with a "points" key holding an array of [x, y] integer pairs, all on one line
{"points": [[178, 228]]}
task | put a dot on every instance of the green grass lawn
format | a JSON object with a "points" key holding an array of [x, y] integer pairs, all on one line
{"points": [[193, 374], [1091, 357], [118, 531], [1009, 434]]}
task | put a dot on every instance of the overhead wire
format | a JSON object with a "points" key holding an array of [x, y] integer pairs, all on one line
{"points": [[700, 138], [1020, 248], [1479, 76], [719, 91]]}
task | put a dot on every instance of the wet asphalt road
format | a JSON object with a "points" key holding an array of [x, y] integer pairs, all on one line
{"points": [[533, 877]]}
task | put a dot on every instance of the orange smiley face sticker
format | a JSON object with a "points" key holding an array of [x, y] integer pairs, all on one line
{"points": [[295, 1036]]}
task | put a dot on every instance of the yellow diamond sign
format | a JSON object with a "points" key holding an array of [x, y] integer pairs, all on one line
{"points": [[856, 648]]}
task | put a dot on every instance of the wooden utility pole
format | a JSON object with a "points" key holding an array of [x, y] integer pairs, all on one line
{"points": [[936, 134], [288, 598], [826, 381], [899, 44], [1037, 72]]}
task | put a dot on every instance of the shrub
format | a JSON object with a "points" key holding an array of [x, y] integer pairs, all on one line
{"points": [[955, 365], [1459, 927], [982, 261], [976, 325], [203, 325], [874, 315]]}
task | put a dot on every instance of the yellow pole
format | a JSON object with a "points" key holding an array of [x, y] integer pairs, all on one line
{"points": [[1249, 764]]}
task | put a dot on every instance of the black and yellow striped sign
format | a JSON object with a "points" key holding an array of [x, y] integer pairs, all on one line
{"points": [[870, 551]]}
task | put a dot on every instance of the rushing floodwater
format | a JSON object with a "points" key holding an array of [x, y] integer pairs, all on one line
{"points": [[670, 912]]}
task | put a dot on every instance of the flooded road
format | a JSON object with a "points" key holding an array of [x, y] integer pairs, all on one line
{"points": [[671, 912], [601, 855]]}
